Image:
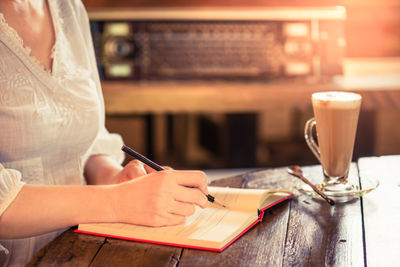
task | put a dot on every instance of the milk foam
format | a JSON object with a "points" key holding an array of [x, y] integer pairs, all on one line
{"points": [[336, 99]]}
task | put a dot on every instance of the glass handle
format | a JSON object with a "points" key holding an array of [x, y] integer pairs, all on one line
{"points": [[308, 135]]}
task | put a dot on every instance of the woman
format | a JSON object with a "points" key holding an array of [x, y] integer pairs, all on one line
{"points": [[53, 140]]}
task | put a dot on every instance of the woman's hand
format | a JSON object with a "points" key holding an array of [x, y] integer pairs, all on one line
{"points": [[132, 170], [102, 170], [159, 198]]}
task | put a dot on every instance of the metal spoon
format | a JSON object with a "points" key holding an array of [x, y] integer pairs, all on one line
{"points": [[295, 170]]}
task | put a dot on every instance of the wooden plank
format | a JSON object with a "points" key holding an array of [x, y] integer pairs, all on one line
{"points": [[68, 249], [231, 97], [117, 252], [263, 245], [381, 210], [324, 235], [395, 98], [235, 181], [197, 96]]}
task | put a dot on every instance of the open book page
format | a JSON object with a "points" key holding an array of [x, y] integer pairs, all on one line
{"points": [[211, 227], [206, 228], [246, 199], [270, 199]]}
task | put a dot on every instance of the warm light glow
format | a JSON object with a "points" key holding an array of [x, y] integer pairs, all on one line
{"points": [[297, 68], [120, 70], [296, 29], [117, 28]]}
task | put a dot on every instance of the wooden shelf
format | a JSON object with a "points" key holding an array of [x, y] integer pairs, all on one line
{"points": [[380, 90], [174, 97]]}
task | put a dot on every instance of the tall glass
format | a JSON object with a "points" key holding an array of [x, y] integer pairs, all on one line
{"points": [[335, 117]]}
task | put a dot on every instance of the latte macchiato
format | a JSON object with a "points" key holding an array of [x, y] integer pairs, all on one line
{"points": [[336, 118], [336, 115]]}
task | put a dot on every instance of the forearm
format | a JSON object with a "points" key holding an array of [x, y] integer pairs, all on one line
{"points": [[157, 199], [100, 169], [41, 209]]}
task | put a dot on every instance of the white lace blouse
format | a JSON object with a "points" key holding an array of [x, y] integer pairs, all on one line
{"points": [[50, 121]]}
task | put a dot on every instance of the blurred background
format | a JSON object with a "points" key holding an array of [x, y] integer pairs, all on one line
{"points": [[227, 83]]}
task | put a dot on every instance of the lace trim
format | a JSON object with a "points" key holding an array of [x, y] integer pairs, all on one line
{"points": [[6, 202], [64, 62], [27, 50], [14, 35], [57, 24], [16, 187], [64, 68]]}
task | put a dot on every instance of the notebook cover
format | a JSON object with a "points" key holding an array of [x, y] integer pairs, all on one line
{"points": [[260, 217]]}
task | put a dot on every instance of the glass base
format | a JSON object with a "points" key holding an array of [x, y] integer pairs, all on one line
{"points": [[274, 179], [340, 193]]}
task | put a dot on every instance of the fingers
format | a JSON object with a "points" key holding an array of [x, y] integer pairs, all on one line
{"points": [[196, 179], [161, 198], [131, 171], [148, 169], [170, 219], [181, 208], [136, 168], [191, 195], [188, 186], [176, 214], [168, 168]]}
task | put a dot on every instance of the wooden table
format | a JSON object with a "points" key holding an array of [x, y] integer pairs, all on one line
{"points": [[299, 232]]}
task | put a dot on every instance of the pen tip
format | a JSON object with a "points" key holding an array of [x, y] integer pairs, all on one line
{"points": [[219, 203]]}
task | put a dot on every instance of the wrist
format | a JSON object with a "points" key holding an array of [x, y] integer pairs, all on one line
{"points": [[113, 202], [100, 204]]}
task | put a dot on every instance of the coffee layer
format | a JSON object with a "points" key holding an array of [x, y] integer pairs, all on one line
{"points": [[336, 115], [336, 99]]}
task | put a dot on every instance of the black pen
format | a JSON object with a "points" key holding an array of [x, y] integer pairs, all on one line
{"points": [[157, 167]]}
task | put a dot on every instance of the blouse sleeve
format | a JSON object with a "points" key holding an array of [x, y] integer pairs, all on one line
{"points": [[10, 185], [105, 143], [109, 144]]}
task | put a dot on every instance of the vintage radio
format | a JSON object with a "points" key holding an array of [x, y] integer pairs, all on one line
{"points": [[261, 44]]}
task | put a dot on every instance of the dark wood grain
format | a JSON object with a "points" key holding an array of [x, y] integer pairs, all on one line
{"points": [[323, 235], [263, 245], [235, 182], [382, 210], [301, 232], [69, 249], [127, 253]]}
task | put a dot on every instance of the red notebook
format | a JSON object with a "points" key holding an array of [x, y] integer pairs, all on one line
{"points": [[213, 228]]}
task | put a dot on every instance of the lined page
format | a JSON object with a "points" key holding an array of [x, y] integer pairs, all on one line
{"points": [[211, 227]]}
